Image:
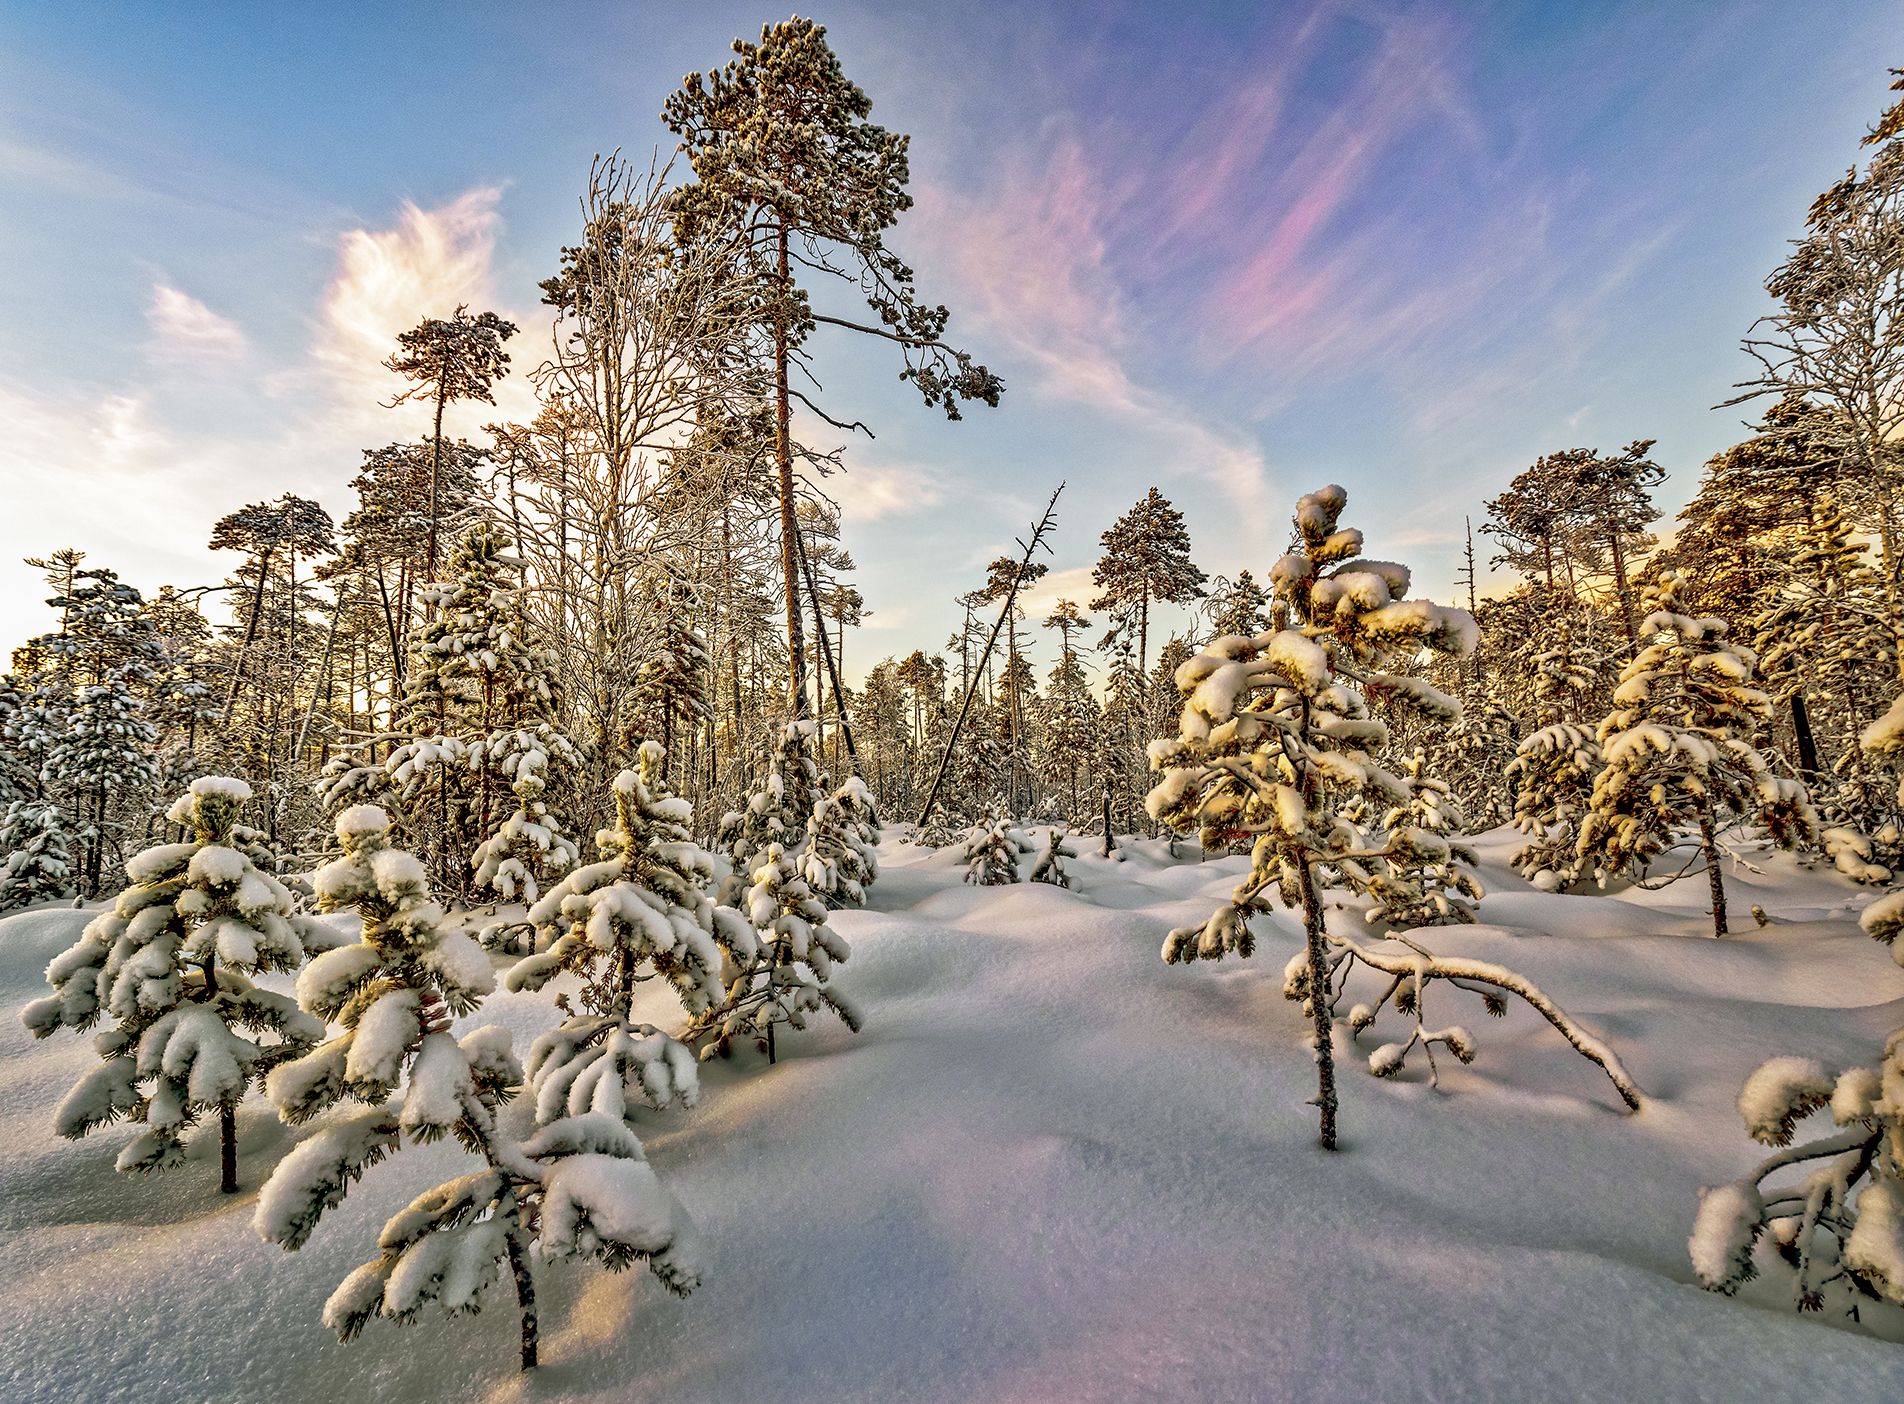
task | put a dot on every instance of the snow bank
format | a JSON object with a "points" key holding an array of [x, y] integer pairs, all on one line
{"points": [[1052, 1168]]}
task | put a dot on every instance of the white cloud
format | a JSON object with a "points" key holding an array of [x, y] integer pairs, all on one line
{"points": [[184, 327], [871, 492], [427, 264]]}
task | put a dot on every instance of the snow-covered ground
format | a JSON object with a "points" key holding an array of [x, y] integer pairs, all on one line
{"points": [[1052, 1168]]}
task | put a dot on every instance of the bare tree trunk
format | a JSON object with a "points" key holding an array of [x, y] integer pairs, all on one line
{"points": [[1319, 1003], [436, 477], [1714, 880], [789, 526], [1801, 731], [525, 1293], [1011, 598]]}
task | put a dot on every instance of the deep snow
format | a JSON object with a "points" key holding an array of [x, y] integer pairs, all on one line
{"points": [[1052, 1168]]}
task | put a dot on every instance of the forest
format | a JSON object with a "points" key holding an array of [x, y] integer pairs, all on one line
{"points": [[557, 726]]}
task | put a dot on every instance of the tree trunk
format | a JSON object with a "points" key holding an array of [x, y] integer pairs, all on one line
{"points": [[525, 1293], [783, 457], [1319, 1003], [1625, 592], [1110, 844], [1710, 846], [436, 477], [228, 1149], [1801, 730]]}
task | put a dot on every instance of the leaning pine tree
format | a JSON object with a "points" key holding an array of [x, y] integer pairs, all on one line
{"points": [[580, 1187], [1275, 747], [1679, 755], [169, 965]]}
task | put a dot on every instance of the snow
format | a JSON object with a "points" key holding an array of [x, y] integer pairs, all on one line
{"points": [[1050, 1168]]}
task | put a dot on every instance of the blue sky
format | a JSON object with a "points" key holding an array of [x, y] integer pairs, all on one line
{"points": [[1233, 250]]}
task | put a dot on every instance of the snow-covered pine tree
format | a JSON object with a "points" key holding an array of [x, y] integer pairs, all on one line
{"points": [[580, 1187], [1840, 1226], [1072, 722], [36, 854], [778, 810], [1050, 864], [842, 852], [169, 965], [790, 975], [1679, 754], [942, 828], [1554, 768], [1428, 879], [1239, 606], [670, 697], [104, 753], [1146, 561], [640, 912], [1276, 743], [477, 725], [992, 850]]}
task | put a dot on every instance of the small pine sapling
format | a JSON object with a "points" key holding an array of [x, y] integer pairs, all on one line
{"points": [[527, 848], [169, 965], [1839, 1227], [942, 828], [778, 809], [992, 850], [842, 850], [1050, 864], [581, 1187], [642, 912], [1554, 772], [790, 975], [1426, 878]]}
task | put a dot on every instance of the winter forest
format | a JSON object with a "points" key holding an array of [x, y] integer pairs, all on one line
{"points": [[518, 938]]}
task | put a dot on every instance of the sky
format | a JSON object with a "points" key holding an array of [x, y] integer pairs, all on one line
{"points": [[1232, 250]]}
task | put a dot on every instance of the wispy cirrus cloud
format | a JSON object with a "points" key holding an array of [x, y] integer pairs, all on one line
{"points": [[185, 328], [1034, 259]]}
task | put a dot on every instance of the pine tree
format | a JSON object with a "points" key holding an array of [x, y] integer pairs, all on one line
{"points": [[1071, 732], [36, 854], [790, 975], [641, 912], [790, 174], [1839, 1228], [1276, 745], [104, 753], [1050, 865], [1678, 751], [942, 829], [169, 965], [447, 359], [580, 1187], [779, 808], [478, 723], [992, 850], [1554, 771], [1239, 606], [842, 853], [1427, 878], [1146, 561]]}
